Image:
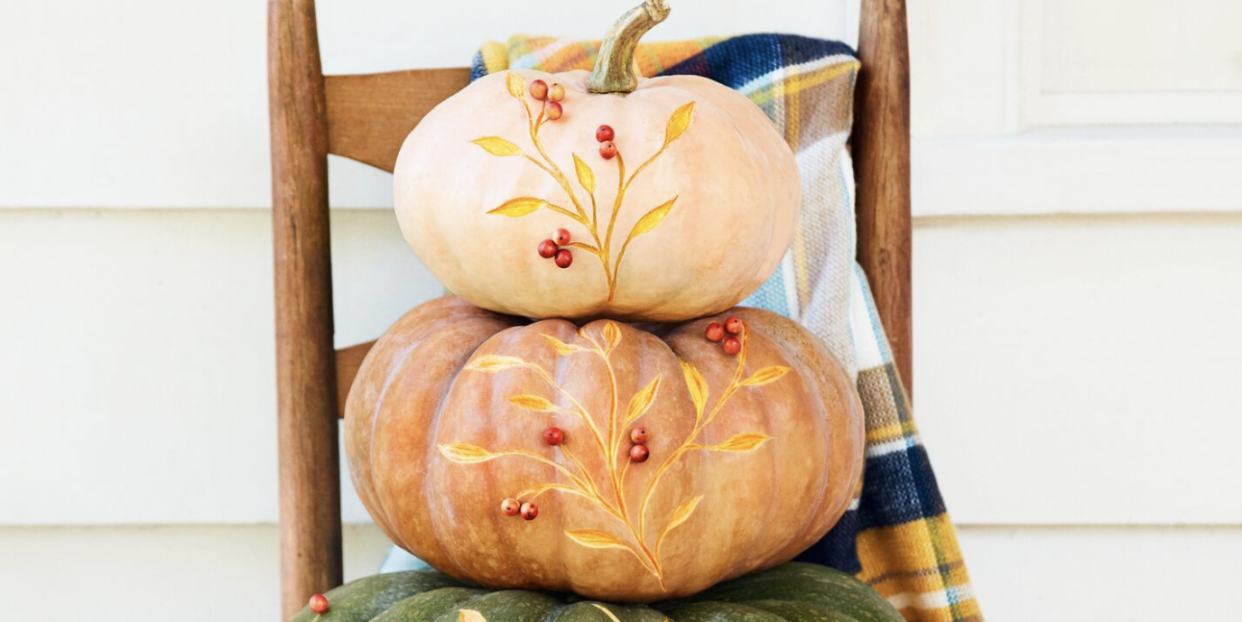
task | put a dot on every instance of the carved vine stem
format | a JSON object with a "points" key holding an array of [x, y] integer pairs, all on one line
{"points": [[601, 246], [581, 481]]}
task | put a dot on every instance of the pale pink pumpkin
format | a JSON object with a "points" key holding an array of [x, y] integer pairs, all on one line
{"points": [[711, 197]]}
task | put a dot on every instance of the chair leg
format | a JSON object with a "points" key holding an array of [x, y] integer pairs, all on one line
{"points": [[881, 144], [310, 499]]}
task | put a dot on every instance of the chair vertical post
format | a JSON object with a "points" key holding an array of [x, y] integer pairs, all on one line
{"points": [[310, 499], [881, 144]]}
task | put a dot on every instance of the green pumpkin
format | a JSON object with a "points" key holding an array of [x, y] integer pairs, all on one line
{"points": [[794, 592]]}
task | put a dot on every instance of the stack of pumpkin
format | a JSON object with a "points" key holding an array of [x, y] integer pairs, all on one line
{"points": [[591, 416]]}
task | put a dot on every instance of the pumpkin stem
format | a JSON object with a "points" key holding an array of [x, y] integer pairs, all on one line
{"points": [[614, 67]]}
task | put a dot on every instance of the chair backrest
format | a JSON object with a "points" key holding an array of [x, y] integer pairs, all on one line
{"points": [[365, 118]]}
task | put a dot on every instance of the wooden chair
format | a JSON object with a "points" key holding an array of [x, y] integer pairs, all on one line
{"points": [[365, 118]]}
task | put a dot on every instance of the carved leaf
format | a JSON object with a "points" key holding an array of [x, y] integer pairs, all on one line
{"points": [[470, 615], [746, 441], [492, 363], [498, 146], [532, 402], [586, 176], [698, 388], [596, 539], [683, 513], [516, 88], [765, 375], [561, 347], [652, 219], [612, 335], [678, 123], [520, 206], [465, 453], [641, 402]]}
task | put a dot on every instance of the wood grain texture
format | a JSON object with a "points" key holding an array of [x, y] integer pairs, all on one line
{"points": [[881, 148], [369, 115], [348, 362], [310, 495]]}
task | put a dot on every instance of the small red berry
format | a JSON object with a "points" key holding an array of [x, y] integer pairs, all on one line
{"points": [[556, 93], [639, 435], [733, 325], [561, 237], [732, 345], [553, 436], [510, 507], [607, 150], [639, 453], [319, 604], [715, 332], [564, 258], [604, 134], [553, 111], [539, 90], [547, 249], [530, 511]]}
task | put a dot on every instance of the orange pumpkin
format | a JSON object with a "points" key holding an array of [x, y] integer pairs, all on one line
{"points": [[684, 204], [746, 459]]}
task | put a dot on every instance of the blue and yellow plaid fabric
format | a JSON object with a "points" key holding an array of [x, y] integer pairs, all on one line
{"points": [[897, 536]]}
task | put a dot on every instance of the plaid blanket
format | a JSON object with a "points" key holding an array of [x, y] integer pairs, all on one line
{"points": [[896, 536]]}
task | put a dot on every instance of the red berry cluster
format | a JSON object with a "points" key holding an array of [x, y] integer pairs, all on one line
{"points": [[550, 94], [319, 604], [604, 134], [638, 451], [728, 335], [551, 249], [513, 507]]}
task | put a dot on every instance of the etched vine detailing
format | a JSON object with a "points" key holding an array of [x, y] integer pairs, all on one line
{"points": [[602, 246], [606, 438]]}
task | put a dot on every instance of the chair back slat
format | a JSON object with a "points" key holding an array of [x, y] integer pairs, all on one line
{"points": [[369, 115]]}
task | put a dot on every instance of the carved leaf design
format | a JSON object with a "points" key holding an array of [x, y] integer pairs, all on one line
{"points": [[641, 402], [612, 335], [498, 146], [533, 402], [765, 375], [746, 441], [678, 123], [520, 206], [562, 348], [680, 515], [698, 388], [683, 513], [596, 539], [514, 82], [492, 363], [465, 453], [586, 176], [651, 219]]}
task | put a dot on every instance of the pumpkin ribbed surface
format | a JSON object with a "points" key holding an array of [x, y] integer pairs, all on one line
{"points": [[795, 592]]}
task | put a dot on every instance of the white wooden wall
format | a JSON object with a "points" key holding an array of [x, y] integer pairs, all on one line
{"points": [[1078, 289]]}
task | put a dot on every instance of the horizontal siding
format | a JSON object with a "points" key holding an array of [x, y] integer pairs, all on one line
{"points": [[205, 574], [156, 104], [1082, 370], [1070, 370]]}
